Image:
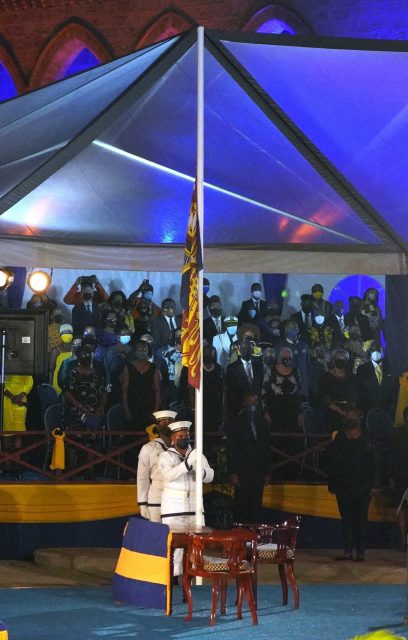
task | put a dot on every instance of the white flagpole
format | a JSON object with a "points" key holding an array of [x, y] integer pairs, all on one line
{"points": [[200, 213]]}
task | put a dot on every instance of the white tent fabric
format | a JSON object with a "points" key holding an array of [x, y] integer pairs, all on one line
{"points": [[98, 169]]}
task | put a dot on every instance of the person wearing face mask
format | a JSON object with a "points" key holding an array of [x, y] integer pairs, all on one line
{"points": [[248, 459], [146, 337], [377, 388], [117, 302], [301, 358], [206, 298], [59, 354], [338, 323], [168, 361], [54, 336], [337, 391], [178, 469], [143, 322], [275, 331], [246, 373], [106, 339], [356, 348], [144, 293], [225, 343], [320, 305], [116, 358], [253, 308], [281, 393], [140, 382], [69, 363], [320, 333], [214, 324], [372, 311], [163, 327], [304, 317], [149, 479], [86, 294], [85, 397], [355, 317], [213, 390]]}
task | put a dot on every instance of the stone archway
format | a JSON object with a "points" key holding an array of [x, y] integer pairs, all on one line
{"points": [[62, 50]]}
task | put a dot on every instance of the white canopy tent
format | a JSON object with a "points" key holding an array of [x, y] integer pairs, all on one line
{"points": [[304, 158]]}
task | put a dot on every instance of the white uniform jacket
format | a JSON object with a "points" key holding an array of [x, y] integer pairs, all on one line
{"points": [[149, 477], [179, 483], [223, 345]]}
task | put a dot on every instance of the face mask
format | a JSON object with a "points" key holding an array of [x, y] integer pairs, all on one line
{"points": [[148, 295], [110, 322], [245, 353], [339, 363], [256, 294], [87, 296], [319, 320], [141, 354], [124, 339], [371, 297], [182, 443], [287, 362], [354, 308], [269, 361], [292, 334], [355, 336], [251, 313], [275, 331], [306, 307], [376, 356], [208, 361], [67, 337], [164, 431], [232, 331], [117, 304], [169, 312], [318, 295], [251, 408], [216, 313], [206, 288]]}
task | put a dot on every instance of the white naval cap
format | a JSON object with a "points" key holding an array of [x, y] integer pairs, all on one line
{"points": [[180, 426], [161, 415], [230, 321]]}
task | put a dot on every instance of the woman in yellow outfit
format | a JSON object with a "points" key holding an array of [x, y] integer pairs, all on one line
{"points": [[16, 391], [59, 354]]}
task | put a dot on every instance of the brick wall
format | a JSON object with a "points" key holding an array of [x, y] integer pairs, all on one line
{"points": [[29, 28]]}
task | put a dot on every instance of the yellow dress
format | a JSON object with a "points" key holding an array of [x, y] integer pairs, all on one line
{"points": [[63, 355], [15, 416]]}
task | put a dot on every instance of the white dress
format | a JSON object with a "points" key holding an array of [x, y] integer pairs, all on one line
{"points": [[178, 496], [149, 478]]}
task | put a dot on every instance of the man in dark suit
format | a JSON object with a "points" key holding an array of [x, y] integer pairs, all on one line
{"points": [[86, 309], [213, 325], [338, 323], [243, 375], [254, 307], [163, 327], [355, 317], [376, 387], [304, 317], [248, 459]]}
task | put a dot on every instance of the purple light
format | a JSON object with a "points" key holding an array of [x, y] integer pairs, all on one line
{"points": [[357, 286], [7, 86], [276, 26], [84, 60]]}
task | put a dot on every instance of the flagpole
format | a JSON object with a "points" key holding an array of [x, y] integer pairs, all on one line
{"points": [[200, 215]]}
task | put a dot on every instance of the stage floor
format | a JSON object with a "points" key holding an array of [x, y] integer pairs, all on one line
{"points": [[94, 567]]}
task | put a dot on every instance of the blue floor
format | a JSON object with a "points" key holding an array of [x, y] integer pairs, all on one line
{"points": [[327, 612]]}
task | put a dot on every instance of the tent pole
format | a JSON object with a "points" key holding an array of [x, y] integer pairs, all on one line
{"points": [[200, 213]]}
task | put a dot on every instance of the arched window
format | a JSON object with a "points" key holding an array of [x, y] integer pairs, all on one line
{"points": [[85, 59], [276, 18], [74, 48], [7, 86], [166, 25]]}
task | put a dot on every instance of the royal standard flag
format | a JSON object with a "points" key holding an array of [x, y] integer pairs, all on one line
{"points": [[142, 574], [190, 327]]}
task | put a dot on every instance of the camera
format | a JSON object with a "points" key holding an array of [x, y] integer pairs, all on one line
{"points": [[87, 281]]}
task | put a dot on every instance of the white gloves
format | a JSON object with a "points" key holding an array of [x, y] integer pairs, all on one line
{"points": [[144, 511], [192, 457]]}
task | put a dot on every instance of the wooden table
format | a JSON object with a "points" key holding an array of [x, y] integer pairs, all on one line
{"points": [[180, 534]]}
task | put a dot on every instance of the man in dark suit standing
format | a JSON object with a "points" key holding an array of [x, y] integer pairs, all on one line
{"points": [[248, 459], [214, 324], [254, 307], [243, 375], [338, 323], [86, 312], [377, 388], [304, 317], [163, 327]]}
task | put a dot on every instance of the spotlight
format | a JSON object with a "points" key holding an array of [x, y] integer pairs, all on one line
{"points": [[6, 278], [39, 281]]}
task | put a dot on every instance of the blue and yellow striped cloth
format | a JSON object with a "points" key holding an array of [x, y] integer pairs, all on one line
{"points": [[142, 574], [3, 631]]}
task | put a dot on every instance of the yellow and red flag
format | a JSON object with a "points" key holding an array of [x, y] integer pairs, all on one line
{"points": [[190, 327]]}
